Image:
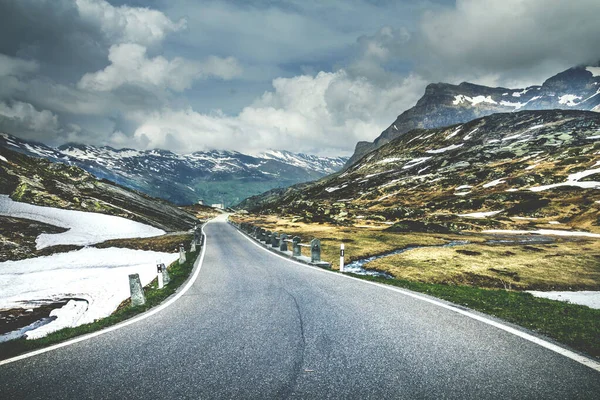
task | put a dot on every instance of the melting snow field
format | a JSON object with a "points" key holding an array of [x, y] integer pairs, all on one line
{"points": [[584, 298], [85, 228], [543, 232], [574, 180], [481, 214], [96, 279]]}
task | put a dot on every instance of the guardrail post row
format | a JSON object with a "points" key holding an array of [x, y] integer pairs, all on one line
{"points": [[282, 242], [136, 290], [315, 251], [296, 246]]}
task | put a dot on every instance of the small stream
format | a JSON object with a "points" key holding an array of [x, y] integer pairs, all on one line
{"points": [[357, 266]]}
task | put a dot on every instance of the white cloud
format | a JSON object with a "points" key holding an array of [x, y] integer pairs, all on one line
{"points": [[323, 114], [125, 24], [511, 43], [23, 117], [10, 66], [130, 65]]}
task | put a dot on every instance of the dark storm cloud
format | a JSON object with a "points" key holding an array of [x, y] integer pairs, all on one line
{"points": [[52, 34], [244, 74]]}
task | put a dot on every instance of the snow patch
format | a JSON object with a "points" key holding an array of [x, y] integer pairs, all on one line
{"points": [[583, 298], [573, 180], [536, 127], [569, 100], [95, 279], [3, 159], [470, 134], [480, 214], [543, 232], [334, 188], [456, 131], [85, 228], [415, 162], [473, 100], [389, 160], [494, 183], [443, 150]]}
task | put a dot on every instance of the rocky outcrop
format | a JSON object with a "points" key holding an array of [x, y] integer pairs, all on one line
{"points": [[445, 104]]}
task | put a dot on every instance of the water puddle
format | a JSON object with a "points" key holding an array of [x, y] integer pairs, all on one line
{"points": [[357, 266], [20, 333], [514, 239]]}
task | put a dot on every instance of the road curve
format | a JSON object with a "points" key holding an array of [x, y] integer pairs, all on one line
{"points": [[256, 326]]}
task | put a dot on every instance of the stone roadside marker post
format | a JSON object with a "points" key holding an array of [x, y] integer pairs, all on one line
{"points": [[181, 254], [315, 251], [283, 244], [342, 257], [296, 246], [165, 275], [136, 290]]}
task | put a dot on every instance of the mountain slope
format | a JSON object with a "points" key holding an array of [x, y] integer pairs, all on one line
{"points": [[543, 165], [214, 176], [445, 104], [41, 182]]}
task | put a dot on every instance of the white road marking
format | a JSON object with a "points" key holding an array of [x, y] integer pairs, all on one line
{"points": [[588, 362], [123, 324]]}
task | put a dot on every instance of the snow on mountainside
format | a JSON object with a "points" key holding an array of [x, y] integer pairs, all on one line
{"points": [[212, 176], [445, 104], [485, 174]]}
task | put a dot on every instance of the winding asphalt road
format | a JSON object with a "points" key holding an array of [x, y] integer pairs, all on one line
{"points": [[256, 326]]}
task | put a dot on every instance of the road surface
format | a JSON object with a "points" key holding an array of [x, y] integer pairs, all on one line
{"points": [[256, 326]]}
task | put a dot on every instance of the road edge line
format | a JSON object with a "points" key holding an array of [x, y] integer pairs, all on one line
{"points": [[141, 317], [581, 359]]}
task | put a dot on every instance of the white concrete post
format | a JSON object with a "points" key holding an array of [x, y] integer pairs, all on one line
{"points": [[342, 257], [181, 254], [136, 290], [161, 282], [193, 247]]}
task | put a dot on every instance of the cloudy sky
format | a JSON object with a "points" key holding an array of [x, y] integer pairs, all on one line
{"points": [[246, 75]]}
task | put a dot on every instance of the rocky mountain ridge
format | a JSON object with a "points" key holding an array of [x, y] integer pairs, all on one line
{"points": [[539, 168], [224, 177], [445, 104], [41, 182]]}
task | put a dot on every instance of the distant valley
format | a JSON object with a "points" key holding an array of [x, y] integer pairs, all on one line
{"points": [[215, 177]]}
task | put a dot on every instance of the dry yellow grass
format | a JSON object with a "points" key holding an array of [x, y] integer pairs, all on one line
{"points": [[359, 242], [563, 265], [566, 264]]}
